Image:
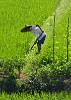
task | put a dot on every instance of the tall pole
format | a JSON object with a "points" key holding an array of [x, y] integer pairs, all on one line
{"points": [[53, 38], [68, 41]]}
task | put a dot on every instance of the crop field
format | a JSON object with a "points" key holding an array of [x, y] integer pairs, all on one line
{"points": [[62, 13], [60, 37], [44, 96], [47, 72], [14, 15]]}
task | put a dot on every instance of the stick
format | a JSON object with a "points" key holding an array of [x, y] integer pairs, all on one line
{"points": [[35, 41], [68, 41], [53, 38]]}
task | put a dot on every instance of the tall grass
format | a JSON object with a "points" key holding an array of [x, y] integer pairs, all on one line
{"points": [[13, 16], [62, 15], [62, 12], [44, 96]]}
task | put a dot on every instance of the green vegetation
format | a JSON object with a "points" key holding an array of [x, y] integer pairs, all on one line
{"points": [[44, 96], [14, 15], [60, 44], [44, 73]]}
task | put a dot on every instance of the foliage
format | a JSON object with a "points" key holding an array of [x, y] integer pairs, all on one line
{"points": [[44, 96], [9, 65], [13, 17], [9, 85], [45, 74], [51, 77]]}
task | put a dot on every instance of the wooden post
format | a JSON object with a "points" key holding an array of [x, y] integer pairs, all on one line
{"points": [[19, 70], [68, 42], [53, 38]]}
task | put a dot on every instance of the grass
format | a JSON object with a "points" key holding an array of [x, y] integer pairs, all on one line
{"points": [[62, 14], [44, 96], [14, 15], [33, 61], [15, 45]]}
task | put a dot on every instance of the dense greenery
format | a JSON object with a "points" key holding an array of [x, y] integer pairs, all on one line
{"points": [[44, 96], [14, 15], [44, 73]]}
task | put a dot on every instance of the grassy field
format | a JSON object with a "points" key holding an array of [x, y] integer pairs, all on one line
{"points": [[13, 16], [14, 45], [44, 96], [62, 13]]}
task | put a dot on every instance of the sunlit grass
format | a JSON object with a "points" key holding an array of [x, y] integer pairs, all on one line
{"points": [[44, 96], [13, 16]]}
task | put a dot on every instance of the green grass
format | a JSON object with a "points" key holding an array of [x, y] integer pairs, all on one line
{"points": [[14, 44], [13, 16], [62, 12], [44, 96]]}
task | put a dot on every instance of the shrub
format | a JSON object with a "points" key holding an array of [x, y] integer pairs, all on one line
{"points": [[9, 85]]}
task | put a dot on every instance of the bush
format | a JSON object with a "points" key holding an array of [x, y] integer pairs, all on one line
{"points": [[9, 85]]}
